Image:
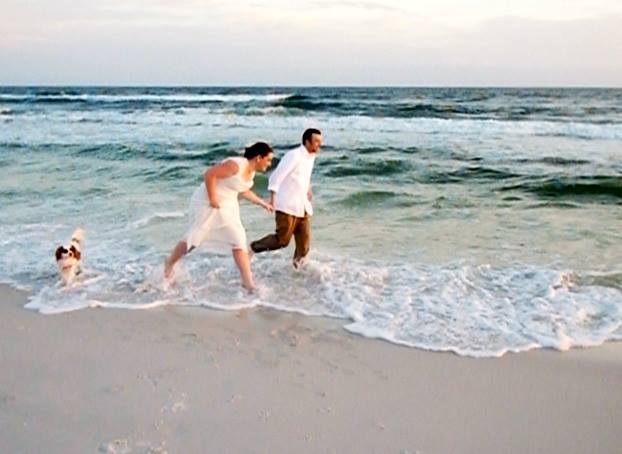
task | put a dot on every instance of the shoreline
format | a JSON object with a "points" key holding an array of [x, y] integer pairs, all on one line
{"points": [[191, 379]]}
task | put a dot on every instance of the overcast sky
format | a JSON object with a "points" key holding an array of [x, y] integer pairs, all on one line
{"points": [[311, 42]]}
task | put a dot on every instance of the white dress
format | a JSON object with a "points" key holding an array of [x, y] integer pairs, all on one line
{"points": [[219, 229]]}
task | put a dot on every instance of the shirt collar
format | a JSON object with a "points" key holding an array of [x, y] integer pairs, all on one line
{"points": [[305, 152]]}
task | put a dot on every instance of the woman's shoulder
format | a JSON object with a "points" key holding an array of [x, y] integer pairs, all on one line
{"points": [[241, 161]]}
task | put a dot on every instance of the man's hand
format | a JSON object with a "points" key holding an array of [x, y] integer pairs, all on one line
{"points": [[310, 194]]}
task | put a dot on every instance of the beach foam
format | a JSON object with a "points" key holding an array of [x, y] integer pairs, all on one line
{"points": [[472, 310]]}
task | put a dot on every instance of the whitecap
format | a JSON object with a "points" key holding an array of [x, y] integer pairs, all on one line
{"points": [[157, 217]]}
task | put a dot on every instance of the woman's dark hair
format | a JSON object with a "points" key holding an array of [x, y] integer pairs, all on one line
{"points": [[257, 149], [309, 133]]}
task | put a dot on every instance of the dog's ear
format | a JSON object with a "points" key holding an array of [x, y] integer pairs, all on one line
{"points": [[59, 252], [76, 253]]}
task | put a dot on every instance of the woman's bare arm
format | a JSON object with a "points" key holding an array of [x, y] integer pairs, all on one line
{"points": [[254, 198], [225, 169]]}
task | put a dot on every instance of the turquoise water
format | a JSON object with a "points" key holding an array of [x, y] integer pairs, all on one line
{"points": [[473, 220]]}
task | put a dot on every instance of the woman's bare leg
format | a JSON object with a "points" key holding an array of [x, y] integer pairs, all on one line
{"points": [[240, 256], [178, 252]]}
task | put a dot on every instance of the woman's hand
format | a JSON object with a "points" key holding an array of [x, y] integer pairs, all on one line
{"points": [[214, 203], [254, 198], [267, 206]]}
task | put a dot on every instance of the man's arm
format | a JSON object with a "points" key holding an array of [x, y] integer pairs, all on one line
{"points": [[286, 165]]}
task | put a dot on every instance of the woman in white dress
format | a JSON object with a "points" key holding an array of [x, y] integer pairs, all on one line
{"points": [[215, 211]]}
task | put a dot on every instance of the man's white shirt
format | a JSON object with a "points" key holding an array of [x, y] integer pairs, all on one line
{"points": [[291, 181]]}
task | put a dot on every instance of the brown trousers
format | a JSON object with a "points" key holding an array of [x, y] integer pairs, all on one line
{"points": [[286, 226]]}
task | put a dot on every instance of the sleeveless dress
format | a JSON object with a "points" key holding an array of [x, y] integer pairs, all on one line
{"points": [[219, 229]]}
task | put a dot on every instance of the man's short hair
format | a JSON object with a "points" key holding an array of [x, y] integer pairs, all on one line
{"points": [[309, 133]]}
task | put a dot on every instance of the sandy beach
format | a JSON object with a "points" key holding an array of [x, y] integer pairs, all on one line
{"points": [[182, 380]]}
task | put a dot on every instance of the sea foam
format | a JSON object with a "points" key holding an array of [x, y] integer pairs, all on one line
{"points": [[471, 310]]}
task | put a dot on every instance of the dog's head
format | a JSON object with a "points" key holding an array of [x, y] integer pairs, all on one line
{"points": [[67, 257]]}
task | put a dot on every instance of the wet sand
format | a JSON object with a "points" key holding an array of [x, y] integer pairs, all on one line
{"points": [[182, 380]]}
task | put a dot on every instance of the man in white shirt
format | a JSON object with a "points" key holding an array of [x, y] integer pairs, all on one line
{"points": [[290, 187]]}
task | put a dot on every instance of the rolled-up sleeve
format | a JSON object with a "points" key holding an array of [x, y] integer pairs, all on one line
{"points": [[286, 165]]}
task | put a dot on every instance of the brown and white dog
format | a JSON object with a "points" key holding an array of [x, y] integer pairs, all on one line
{"points": [[69, 258]]}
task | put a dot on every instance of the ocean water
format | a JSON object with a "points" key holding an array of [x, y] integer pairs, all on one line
{"points": [[478, 221]]}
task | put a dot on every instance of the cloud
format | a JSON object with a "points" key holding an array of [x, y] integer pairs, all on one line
{"points": [[299, 42], [353, 4], [571, 51]]}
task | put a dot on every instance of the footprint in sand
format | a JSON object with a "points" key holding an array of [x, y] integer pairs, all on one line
{"points": [[157, 450], [191, 338], [118, 446], [112, 389], [176, 406], [6, 399], [180, 405], [148, 448]]}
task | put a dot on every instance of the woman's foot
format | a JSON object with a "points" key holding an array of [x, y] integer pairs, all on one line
{"points": [[181, 249], [168, 269], [250, 288]]}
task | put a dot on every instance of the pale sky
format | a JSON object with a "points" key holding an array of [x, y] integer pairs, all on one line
{"points": [[311, 42]]}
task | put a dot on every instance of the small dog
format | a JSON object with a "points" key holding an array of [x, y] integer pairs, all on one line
{"points": [[69, 258]]}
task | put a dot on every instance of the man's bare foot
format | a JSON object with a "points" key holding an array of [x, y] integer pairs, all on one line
{"points": [[298, 264]]}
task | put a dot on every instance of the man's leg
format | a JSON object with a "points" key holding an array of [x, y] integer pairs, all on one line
{"points": [[285, 225], [302, 236]]}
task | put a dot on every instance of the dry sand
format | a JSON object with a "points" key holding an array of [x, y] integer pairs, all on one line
{"points": [[182, 380]]}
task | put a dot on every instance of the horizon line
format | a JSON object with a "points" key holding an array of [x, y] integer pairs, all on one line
{"points": [[299, 86]]}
